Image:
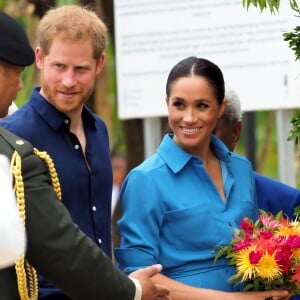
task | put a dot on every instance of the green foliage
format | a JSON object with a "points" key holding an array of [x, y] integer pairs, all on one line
{"points": [[293, 38], [295, 6], [297, 211], [28, 81], [295, 131], [273, 5], [65, 2], [2, 4], [262, 4], [118, 143]]}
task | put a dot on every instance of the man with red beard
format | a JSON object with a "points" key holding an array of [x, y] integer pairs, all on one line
{"points": [[70, 53]]}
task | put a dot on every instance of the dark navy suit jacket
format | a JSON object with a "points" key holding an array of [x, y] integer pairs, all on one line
{"points": [[274, 196]]}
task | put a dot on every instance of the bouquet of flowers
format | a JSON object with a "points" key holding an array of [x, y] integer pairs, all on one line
{"points": [[266, 253]]}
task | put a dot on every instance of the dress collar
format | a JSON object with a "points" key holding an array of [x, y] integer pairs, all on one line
{"points": [[176, 158]]}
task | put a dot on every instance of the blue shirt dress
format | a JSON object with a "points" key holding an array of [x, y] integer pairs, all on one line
{"points": [[86, 191], [174, 215]]}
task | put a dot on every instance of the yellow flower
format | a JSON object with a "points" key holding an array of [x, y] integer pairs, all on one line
{"points": [[296, 254], [267, 268], [296, 225], [245, 269], [285, 231], [291, 228], [268, 257]]}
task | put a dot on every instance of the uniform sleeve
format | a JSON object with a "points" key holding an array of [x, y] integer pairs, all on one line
{"points": [[59, 250], [139, 226]]}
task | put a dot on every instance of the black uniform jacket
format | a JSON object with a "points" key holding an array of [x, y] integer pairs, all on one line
{"points": [[56, 247]]}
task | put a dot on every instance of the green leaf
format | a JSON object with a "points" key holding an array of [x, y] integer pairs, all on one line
{"points": [[294, 133], [294, 5], [222, 252], [263, 212], [293, 38], [248, 287], [297, 211], [279, 215], [256, 284], [262, 4]]}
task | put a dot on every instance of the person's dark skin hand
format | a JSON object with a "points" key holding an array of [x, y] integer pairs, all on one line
{"points": [[271, 295], [151, 290], [283, 298]]}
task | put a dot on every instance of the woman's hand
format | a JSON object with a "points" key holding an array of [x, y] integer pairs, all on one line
{"points": [[262, 295]]}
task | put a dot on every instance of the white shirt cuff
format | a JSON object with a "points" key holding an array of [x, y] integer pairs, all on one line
{"points": [[138, 289]]}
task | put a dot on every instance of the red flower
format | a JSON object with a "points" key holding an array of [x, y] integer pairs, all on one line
{"points": [[266, 253], [265, 234], [247, 225], [293, 241], [241, 245], [254, 257], [296, 277], [280, 240], [282, 257]]}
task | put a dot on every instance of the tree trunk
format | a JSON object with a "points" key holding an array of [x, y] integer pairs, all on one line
{"points": [[133, 128]]}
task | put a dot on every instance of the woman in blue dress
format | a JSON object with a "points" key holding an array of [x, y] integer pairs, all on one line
{"points": [[184, 202]]}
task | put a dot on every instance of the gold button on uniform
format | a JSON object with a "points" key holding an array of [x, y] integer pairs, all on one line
{"points": [[20, 142]]}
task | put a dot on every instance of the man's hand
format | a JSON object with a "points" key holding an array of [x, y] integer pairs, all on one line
{"points": [[151, 290]]}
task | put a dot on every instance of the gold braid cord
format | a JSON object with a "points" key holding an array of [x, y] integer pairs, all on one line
{"points": [[53, 174], [23, 268]]}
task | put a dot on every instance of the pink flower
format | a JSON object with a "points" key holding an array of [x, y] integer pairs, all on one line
{"points": [[268, 221], [266, 253]]}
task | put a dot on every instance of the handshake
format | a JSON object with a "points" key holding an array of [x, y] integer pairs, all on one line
{"points": [[150, 290]]}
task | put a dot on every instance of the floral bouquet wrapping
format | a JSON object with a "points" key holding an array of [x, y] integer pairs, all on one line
{"points": [[266, 253]]}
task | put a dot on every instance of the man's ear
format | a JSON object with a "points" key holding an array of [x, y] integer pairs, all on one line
{"points": [[39, 57], [222, 108], [236, 131], [100, 63]]}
